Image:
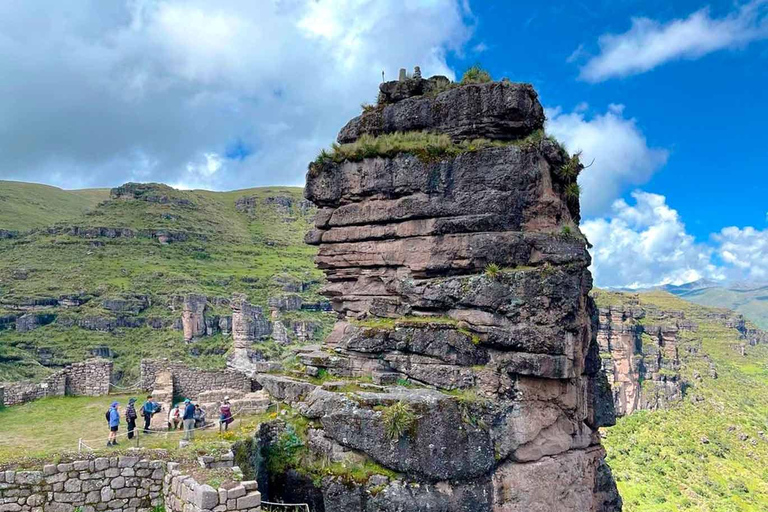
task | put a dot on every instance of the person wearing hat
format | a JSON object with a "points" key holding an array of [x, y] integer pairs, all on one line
{"points": [[189, 420], [113, 417], [225, 415], [130, 417]]}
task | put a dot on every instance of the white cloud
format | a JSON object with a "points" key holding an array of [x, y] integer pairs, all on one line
{"points": [[746, 249], [649, 43], [100, 93], [646, 244], [615, 146]]}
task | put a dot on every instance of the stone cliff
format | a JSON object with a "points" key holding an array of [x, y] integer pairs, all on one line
{"points": [[642, 349], [461, 281]]}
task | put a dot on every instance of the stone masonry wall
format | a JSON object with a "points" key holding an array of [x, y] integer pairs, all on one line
{"points": [[124, 484], [184, 494], [90, 378], [190, 382], [119, 484]]}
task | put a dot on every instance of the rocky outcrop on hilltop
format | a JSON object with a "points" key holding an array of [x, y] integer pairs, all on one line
{"points": [[465, 276]]}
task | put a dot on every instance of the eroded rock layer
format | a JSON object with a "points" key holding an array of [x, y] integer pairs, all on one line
{"points": [[466, 278]]}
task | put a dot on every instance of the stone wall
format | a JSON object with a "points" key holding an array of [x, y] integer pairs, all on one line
{"points": [[190, 382], [184, 494], [119, 484], [124, 484], [89, 378]]}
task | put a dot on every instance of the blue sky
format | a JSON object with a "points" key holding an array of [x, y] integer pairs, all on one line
{"points": [[666, 99]]}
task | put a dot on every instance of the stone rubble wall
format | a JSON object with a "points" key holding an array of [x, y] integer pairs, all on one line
{"points": [[184, 494], [89, 378], [119, 484], [115, 484], [191, 382]]}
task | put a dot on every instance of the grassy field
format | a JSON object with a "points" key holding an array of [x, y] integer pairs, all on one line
{"points": [[53, 427], [25, 206], [708, 453]]}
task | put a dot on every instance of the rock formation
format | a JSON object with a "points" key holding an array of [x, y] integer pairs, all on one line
{"points": [[641, 359], [465, 275]]}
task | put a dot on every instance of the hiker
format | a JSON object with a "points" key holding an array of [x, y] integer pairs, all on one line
{"points": [[148, 410], [113, 417], [130, 417], [174, 418], [189, 420], [199, 416], [225, 414]]}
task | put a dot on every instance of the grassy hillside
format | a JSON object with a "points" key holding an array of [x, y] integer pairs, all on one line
{"points": [[752, 303], [25, 206], [223, 242], [709, 453]]}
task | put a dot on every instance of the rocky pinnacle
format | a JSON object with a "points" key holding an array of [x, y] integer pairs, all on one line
{"points": [[465, 276]]}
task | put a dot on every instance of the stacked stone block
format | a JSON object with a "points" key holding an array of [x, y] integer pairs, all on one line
{"points": [[191, 382], [89, 378], [114, 484], [184, 494]]}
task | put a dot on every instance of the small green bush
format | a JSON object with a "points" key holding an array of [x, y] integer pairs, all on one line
{"points": [[398, 420], [572, 191], [492, 270], [476, 75], [570, 170]]}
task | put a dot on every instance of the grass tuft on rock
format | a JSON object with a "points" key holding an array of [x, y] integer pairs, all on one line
{"points": [[399, 419], [476, 75], [428, 147]]}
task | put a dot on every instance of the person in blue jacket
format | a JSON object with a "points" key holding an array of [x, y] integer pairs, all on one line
{"points": [[189, 419], [113, 416]]}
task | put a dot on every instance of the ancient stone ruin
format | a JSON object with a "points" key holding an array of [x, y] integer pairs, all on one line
{"points": [[461, 281]]}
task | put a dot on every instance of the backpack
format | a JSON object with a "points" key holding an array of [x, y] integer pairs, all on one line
{"points": [[108, 411]]}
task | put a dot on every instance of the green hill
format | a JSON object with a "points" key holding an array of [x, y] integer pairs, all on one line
{"points": [[145, 245], [710, 452], [25, 206], [752, 302]]}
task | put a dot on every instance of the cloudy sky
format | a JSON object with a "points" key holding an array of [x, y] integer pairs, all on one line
{"points": [[667, 99]]}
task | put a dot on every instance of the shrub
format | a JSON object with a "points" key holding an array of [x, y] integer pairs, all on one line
{"points": [[572, 191], [570, 170], [566, 231], [476, 75], [398, 419], [492, 270]]}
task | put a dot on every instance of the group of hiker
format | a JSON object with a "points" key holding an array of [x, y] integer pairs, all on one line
{"points": [[186, 415]]}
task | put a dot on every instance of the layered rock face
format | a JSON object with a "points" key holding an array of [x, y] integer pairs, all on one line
{"points": [[641, 359], [466, 276]]}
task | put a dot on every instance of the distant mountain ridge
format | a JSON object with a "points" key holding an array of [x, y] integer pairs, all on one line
{"points": [[750, 298]]}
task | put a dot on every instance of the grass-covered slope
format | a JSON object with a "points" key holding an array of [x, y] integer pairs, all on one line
{"points": [[25, 206], [221, 243], [710, 453], [750, 302]]}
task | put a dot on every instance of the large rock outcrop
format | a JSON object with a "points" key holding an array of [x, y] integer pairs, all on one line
{"points": [[639, 348], [466, 276]]}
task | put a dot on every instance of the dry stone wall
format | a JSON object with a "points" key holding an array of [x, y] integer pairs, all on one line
{"points": [[119, 484], [114, 484], [190, 382], [184, 494], [89, 378]]}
